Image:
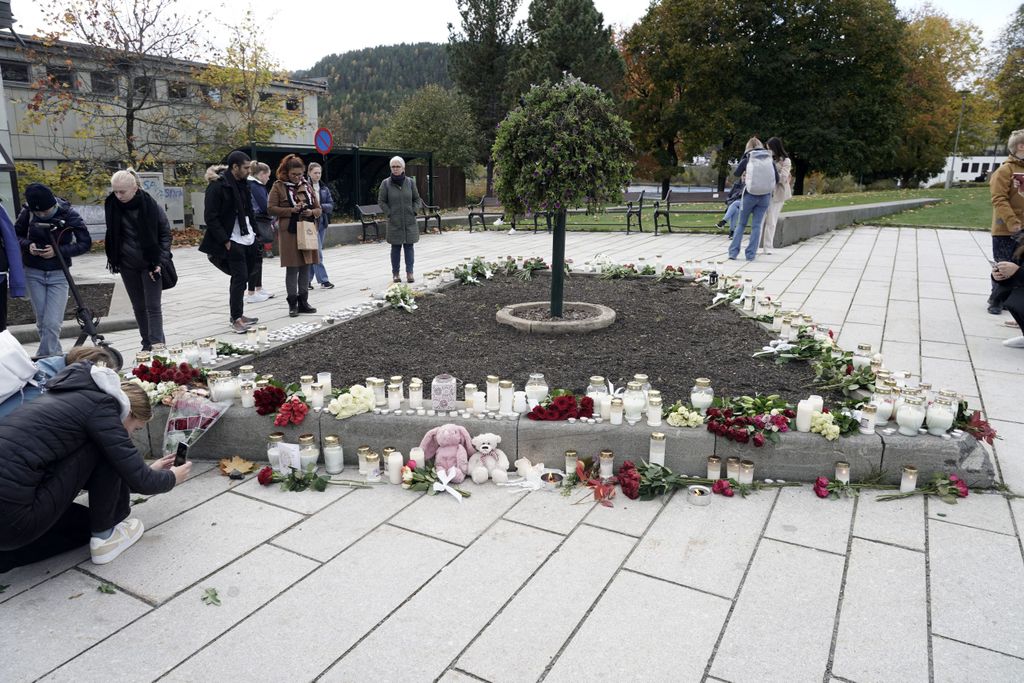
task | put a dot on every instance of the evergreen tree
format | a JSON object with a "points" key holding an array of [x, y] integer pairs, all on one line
{"points": [[479, 57], [1005, 72], [568, 36]]}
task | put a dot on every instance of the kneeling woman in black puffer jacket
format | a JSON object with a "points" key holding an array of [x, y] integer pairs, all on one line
{"points": [[76, 436]]}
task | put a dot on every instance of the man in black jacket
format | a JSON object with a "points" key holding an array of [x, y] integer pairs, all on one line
{"points": [[75, 436], [230, 231]]}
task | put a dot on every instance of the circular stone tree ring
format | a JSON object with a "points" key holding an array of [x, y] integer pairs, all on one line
{"points": [[519, 316]]}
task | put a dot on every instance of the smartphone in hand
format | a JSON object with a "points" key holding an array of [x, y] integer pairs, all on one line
{"points": [[182, 455]]}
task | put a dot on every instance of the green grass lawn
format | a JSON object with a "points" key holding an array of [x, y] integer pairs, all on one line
{"points": [[966, 208]]}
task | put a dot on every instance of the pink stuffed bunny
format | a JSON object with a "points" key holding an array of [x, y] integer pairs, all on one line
{"points": [[450, 446]]}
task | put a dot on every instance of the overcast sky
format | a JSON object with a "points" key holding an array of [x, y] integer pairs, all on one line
{"points": [[353, 24]]}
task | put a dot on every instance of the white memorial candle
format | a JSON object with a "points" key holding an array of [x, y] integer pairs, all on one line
{"points": [[803, 416]]}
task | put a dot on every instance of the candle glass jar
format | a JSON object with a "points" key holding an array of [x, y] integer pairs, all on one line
{"points": [[732, 468], [506, 390], [607, 464], [394, 464], [306, 385], [247, 390], [493, 396], [143, 358], [372, 467], [468, 390], [714, 467], [536, 388], [785, 328], [252, 337], [415, 393], [274, 440], [264, 337], [478, 402], [868, 417], [615, 416], [843, 472], [882, 400], [939, 416], [308, 452], [316, 395], [908, 480], [246, 373], [777, 317], [654, 411], [911, 416], [571, 458], [633, 402], [656, 450], [746, 472], [862, 358], [362, 452], [394, 396], [702, 395], [643, 381], [442, 393], [596, 387], [334, 455], [324, 378]]}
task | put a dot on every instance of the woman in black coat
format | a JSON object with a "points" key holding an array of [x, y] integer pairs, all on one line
{"points": [[138, 240], [76, 436]]}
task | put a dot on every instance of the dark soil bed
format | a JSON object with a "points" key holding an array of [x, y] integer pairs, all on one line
{"points": [[96, 295], [662, 330]]}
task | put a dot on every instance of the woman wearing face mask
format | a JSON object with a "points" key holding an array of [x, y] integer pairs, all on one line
{"points": [[76, 436], [137, 241], [47, 286]]}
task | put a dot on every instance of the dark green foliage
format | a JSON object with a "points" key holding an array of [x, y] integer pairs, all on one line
{"points": [[365, 86]]}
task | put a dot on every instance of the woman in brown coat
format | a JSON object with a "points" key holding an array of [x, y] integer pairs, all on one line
{"points": [[292, 199]]}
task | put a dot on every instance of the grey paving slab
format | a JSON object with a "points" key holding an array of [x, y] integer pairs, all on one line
{"points": [[342, 523], [982, 511], [1001, 398], [549, 510], [20, 579], [184, 625], [765, 643], [452, 676], [624, 614], [989, 354], [445, 518], [966, 585], [901, 322], [306, 504], [197, 490], [882, 579], [509, 551], [49, 624], [801, 517], [183, 550], [900, 522], [865, 315], [852, 334], [580, 575], [902, 356], [326, 612], [1008, 450], [631, 517], [956, 662], [703, 547], [956, 374], [930, 349]]}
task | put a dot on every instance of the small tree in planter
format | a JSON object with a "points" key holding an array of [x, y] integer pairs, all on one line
{"points": [[563, 147]]}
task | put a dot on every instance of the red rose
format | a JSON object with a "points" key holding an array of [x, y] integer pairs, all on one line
{"points": [[758, 439], [720, 485], [728, 493], [821, 481], [961, 489], [953, 478], [411, 464], [849, 368], [265, 476], [821, 492]]}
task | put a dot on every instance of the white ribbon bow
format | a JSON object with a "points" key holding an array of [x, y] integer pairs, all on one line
{"points": [[443, 477]]}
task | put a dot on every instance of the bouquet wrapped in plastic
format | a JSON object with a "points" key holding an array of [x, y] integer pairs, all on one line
{"points": [[190, 417]]}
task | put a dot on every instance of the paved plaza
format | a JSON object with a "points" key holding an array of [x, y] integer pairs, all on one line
{"points": [[387, 585]]}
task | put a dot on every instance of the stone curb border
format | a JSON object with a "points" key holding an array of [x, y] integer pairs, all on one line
{"points": [[507, 316]]}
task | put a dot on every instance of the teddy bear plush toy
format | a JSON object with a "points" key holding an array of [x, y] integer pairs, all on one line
{"points": [[449, 445], [488, 461]]}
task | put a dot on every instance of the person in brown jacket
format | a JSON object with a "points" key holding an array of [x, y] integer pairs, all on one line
{"points": [[1007, 211], [291, 199]]}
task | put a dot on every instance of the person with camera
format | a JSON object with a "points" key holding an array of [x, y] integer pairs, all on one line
{"points": [[137, 242], [76, 436], [292, 199], [43, 220], [1007, 214]]}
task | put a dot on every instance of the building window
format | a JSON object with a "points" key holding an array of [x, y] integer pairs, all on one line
{"points": [[211, 94], [984, 168], [143, 86], [293, 104], [974, 168], [177, 90], [14, 72], [61, 77], [965, 167], [103, 83]]}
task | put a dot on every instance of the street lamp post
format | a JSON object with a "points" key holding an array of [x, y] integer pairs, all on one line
{"points": [[956, 145]]}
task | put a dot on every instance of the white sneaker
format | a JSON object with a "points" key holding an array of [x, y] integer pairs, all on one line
{"points": [[104, 550], [269, 295], [1014, 342], [512, 231], [251, 298], [260, 297]]}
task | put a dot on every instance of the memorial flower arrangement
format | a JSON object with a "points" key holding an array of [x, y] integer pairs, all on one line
{"points": [[477, 270], [824, 423], [401, 297], [973, 424], [357, 399], [162, 371], [426, 479], [292, 411], [949, 488], [680, 415], [750, 419], [158, 393], [562, 405], [655, 480], [268, 399], [295, 480], [530, 265]]}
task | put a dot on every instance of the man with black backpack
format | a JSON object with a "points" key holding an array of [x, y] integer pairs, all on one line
{"points": [[760, 176]]}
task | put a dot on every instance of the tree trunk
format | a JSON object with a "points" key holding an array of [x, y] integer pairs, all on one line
{"points": [[490, 176], [800, 166], [558, 265]]}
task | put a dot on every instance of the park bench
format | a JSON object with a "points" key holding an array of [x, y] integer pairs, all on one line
{"points": [[371, 215], [428, 212], [632, 205], [487, 206], [664, 208]]}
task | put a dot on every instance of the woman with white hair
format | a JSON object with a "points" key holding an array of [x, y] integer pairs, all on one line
{"points": [[399, 200], [137, 241], [1007, 213]]}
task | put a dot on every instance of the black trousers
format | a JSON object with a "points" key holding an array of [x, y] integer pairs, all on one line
{"points": [[52, 523], [3, 306], [240, 260], [1014, 303]]}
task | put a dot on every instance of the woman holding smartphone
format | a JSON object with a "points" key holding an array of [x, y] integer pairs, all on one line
{"points": [[1005, 186], [292, 199]]}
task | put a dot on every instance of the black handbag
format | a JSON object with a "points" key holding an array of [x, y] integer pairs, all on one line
{"points": [[168, 273], [264, 226]]}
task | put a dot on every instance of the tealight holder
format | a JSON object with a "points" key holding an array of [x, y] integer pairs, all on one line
{"points": [[698, 495]]}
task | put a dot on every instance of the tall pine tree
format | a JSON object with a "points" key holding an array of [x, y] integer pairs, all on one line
{"points": [[479, 57]]}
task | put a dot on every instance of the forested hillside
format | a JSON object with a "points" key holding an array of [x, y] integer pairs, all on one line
{"points": [[364, 86]]}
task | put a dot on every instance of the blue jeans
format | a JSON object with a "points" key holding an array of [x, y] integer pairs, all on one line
{"points": [[317, 270], [732, 214], [48, 292], [756, 204], [396, 257]]}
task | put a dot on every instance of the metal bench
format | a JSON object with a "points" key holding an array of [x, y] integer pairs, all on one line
{"points": [[428, 212], [371, 215], [633, 205], [664, 208], [488, 206]]}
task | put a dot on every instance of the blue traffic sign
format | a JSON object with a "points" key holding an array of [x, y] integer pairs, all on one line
{"points": [[323, 140]]}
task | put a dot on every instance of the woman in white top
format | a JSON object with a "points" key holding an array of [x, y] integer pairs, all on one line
{"points": [[783, 191]]}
